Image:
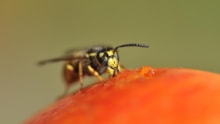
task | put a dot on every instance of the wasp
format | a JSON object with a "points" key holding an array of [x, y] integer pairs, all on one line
{"points": [[93, 61]]}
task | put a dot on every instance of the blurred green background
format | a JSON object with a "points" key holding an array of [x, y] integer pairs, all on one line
{"points": [[184, 33]]}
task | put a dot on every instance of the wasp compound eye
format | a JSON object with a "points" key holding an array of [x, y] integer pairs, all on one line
{"points": [[102, 58]]}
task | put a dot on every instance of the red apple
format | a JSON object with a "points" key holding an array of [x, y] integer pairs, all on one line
{"points": [[142, 96]]}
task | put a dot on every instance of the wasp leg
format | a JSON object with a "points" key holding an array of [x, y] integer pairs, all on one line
{"points": [[95, 73], [80, 75]]}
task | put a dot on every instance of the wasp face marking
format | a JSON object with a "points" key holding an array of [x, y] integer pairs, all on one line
{"points": [[112, 62], [113, 65], [109, 59]]}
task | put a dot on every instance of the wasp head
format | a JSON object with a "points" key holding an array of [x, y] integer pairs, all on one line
{"points": [[110, 59]]}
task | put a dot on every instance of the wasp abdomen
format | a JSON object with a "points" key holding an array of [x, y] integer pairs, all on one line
{"points": [[71, 74]]}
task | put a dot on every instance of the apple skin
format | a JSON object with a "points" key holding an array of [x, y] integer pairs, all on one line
{"points": [[141, 96]]}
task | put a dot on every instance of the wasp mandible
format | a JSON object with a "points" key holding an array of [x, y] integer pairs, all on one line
{"points": [[93, 62]]}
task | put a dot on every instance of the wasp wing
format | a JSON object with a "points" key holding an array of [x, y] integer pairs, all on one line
{"points": [[72, 54], [65, 58]]}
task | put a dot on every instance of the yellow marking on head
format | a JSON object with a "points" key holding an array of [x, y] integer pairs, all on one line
{"points": [[113, 62], [110, 71], [110, 53], [113, 71]]}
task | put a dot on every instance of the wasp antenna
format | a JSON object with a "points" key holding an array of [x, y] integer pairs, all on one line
{"points": [[131, 45]]}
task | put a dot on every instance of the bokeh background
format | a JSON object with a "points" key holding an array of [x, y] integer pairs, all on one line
{"points": [[181, 33]]}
